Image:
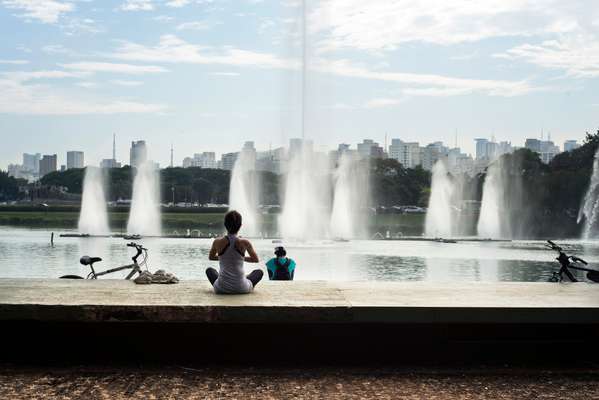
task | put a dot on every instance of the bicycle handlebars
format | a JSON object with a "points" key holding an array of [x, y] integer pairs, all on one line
{"points": [[137, 246], [557, 248], [140, 249]]}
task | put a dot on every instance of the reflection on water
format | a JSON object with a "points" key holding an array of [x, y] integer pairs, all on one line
{"points": [[28, 253]]}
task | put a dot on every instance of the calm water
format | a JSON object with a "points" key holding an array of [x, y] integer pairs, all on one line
{"points": [[27, 253]]}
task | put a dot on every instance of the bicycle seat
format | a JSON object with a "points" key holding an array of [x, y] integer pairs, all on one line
{"points": [[87, 260]]}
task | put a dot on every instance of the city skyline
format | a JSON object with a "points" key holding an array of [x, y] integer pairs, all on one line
{"points": [[409, 154], [207, 73]]}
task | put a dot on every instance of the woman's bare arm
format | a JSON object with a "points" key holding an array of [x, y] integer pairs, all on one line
{"points": [[213, 255], [253, 257]]}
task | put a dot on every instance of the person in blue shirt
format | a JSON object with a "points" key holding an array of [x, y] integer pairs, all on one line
{"points": [[280, 268]]}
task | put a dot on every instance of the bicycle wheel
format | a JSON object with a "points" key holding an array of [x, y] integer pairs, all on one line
{"points": [[71, 277]]}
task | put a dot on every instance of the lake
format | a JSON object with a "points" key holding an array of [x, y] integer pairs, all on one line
{"points": [[27, 253]]}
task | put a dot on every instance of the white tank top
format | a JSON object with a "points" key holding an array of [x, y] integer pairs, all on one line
{"points": [[231, 277]]}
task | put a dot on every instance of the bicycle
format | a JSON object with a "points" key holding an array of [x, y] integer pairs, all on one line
{"points": [[570, 262], [135, 267]]}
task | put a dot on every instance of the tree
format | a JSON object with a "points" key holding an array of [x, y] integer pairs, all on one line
{"points": [[9, 187]]}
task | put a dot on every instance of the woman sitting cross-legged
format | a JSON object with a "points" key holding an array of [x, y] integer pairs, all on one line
{"points": [[230, 252]]}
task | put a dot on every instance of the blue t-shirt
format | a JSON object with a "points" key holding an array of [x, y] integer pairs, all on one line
{"points": [[271, 266]]}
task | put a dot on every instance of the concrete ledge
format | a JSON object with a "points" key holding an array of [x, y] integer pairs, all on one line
{"points": [[300, 302], [298, 322]]}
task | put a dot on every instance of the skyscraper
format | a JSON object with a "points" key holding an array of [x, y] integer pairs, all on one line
{"points": [[48, 164], [31, 162], [533, 145], [228, 160], [370, 149], [138, 153], [482, 148], [570, 145], [75, 159]]}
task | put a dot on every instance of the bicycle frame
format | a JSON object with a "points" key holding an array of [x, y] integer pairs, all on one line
{"points": [[95, 275], [567, 263], [135, 267]]}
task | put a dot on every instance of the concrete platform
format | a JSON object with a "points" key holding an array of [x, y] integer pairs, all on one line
{"points": [[295, 321], [300, 302]]}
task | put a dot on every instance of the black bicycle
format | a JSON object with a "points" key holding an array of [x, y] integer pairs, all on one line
{"points": [[135, 267], [569, 263]]}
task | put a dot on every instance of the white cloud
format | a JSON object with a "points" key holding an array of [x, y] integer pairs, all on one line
{"points": [[126, 83], [578, 55], [171, 49], [382, 102], [177, 3], [163, 18], [24, 76], [438, 92], [87, 85], [225, 73], [46, 11], [457, 85], [55, 49], [379, 25], [14, 62], [137, 5], [114, 68], [20, 97], [197, 25]]}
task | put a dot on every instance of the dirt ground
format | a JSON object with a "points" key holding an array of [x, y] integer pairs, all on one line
{"points": [[184, 382]]}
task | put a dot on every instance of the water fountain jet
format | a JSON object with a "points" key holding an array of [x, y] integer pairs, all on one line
{"points": [[144, 216], [439, 216], [306, 206], [590, 206], [350, 188], [93, 217], [243, 193], [490, 220]]}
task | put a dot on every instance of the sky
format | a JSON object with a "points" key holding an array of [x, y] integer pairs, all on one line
{"points": [[207, 75]]}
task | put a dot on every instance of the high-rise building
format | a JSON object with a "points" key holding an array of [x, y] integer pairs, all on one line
{"points": [[249, 155], [432, 153], [570, 145], [482, 148], [370, 149], [31, 162], [138, 153], [504, 148], [74, 159], [545, 148], [297, 145], [48, 164], [206, 159], [408, 154], [109, 163], [228, 160], [533, 145], [395, 149], [270, 160], [548, 151]]}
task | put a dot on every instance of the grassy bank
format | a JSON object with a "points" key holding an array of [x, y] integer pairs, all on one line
{"points": [[409, 224]]}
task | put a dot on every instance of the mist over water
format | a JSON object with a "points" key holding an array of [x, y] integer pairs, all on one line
{"points": [[349, 198], [306, 205], [440, 221], [590, 206], [489, 221], [244, 195], [93, 218], [144, 217]]}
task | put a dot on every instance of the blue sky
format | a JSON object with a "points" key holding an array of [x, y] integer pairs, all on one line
{"points": [[209, 74]]}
